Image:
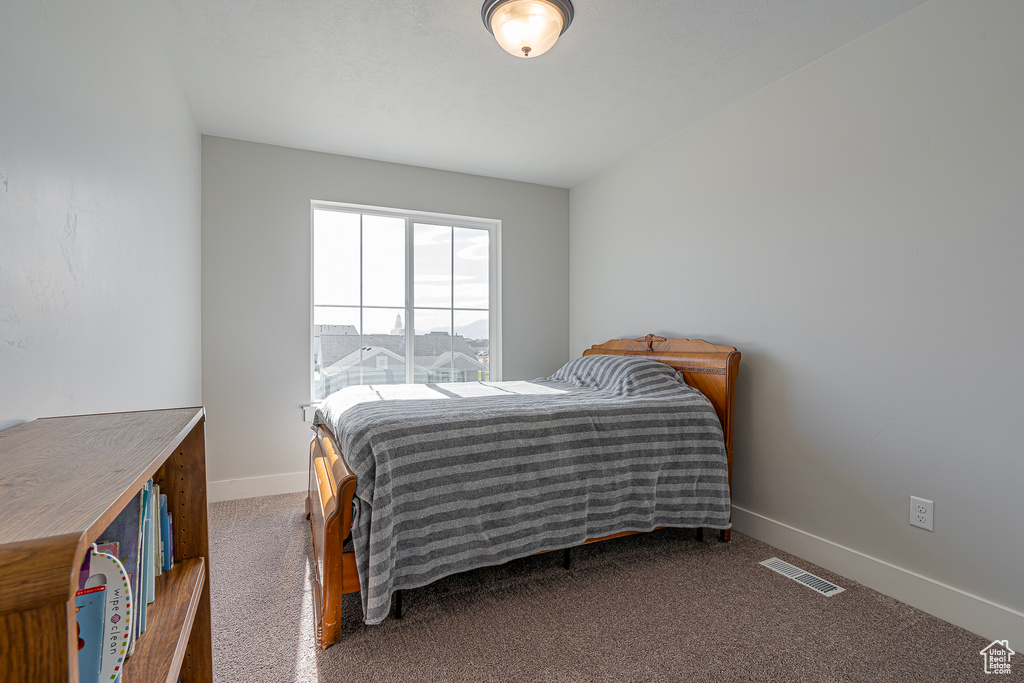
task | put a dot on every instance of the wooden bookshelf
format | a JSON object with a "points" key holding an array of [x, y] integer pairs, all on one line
{"points": [[62, 481]]}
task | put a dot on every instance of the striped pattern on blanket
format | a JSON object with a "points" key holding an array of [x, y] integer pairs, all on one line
{"points": [[452, 477]]}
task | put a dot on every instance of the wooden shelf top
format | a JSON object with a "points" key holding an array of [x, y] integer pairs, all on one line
{"points": [[160, 650], [67, 476]]}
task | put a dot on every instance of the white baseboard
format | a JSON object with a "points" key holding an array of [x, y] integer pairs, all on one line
{"points": [[232, 489], [978, 615]]}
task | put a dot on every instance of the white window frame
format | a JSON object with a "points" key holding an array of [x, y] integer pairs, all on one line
{"points": [[410, 217]]}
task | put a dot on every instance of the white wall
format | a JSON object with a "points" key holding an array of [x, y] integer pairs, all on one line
{"points": [[99, 214], [256, 288], [856, 231]]}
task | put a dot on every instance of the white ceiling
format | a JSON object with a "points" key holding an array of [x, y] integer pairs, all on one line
{"points": [[424, 83]]}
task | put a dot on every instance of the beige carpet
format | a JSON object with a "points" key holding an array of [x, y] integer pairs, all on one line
{"points": [[652, 607]]}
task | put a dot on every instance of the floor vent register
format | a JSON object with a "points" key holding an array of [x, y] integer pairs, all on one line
{"points": [[815, 583]]}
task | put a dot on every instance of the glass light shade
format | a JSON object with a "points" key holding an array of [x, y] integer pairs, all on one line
{"points": [[527, 28]]}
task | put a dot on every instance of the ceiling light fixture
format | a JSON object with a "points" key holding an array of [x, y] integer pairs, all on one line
{"points": [[526, 28]]}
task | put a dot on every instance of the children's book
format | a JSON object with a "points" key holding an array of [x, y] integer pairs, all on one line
{"points": [[167, 550], [118, 612], [158, 548], [140, 594], [109, 547], [150, 575], [89, 608], [125, 530], [83, 572]]}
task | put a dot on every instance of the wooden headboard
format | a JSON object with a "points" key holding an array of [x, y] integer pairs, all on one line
{"points": [[709, 368]]}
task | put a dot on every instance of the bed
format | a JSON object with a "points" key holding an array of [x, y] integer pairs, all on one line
{"points": [[410, 483]]}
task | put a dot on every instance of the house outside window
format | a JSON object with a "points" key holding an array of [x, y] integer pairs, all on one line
{"points": [[392, 285]]}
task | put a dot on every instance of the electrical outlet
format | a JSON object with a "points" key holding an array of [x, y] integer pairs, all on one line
{"points": [[921, 512]]}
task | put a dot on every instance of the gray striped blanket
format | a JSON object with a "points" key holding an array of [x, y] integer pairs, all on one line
{"points": [[452, 477]]}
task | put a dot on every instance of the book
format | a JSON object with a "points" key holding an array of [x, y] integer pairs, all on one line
{"points": [[158, 559], [170, 536], [166, 550], [83, 572], [108, 547], [118, 613], [140, 594], [89, 610], [150, 574], [126, 532]]}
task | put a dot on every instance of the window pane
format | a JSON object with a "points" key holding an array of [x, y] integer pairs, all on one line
{"points": [[432, 346], [472, 346], [335, 258], [383, 261], [383, 357], [335, 340], [432, 265], [472, 252], [364, 303]]}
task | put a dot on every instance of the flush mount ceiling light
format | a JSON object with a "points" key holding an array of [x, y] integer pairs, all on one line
{"points": [[526, 28]]}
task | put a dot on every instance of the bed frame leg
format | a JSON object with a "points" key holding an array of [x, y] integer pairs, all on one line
{"points": [[398, 604], [566, 558], [725, 535], [700, 534]]}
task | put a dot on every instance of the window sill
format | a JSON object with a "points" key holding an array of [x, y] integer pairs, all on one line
{"points": [[308, 411]]}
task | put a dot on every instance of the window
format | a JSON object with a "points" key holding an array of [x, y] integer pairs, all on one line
{"points": [[390, 286]]}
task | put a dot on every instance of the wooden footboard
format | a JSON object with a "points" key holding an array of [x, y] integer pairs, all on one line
{"points": [[711, 369], [329, 507]]}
